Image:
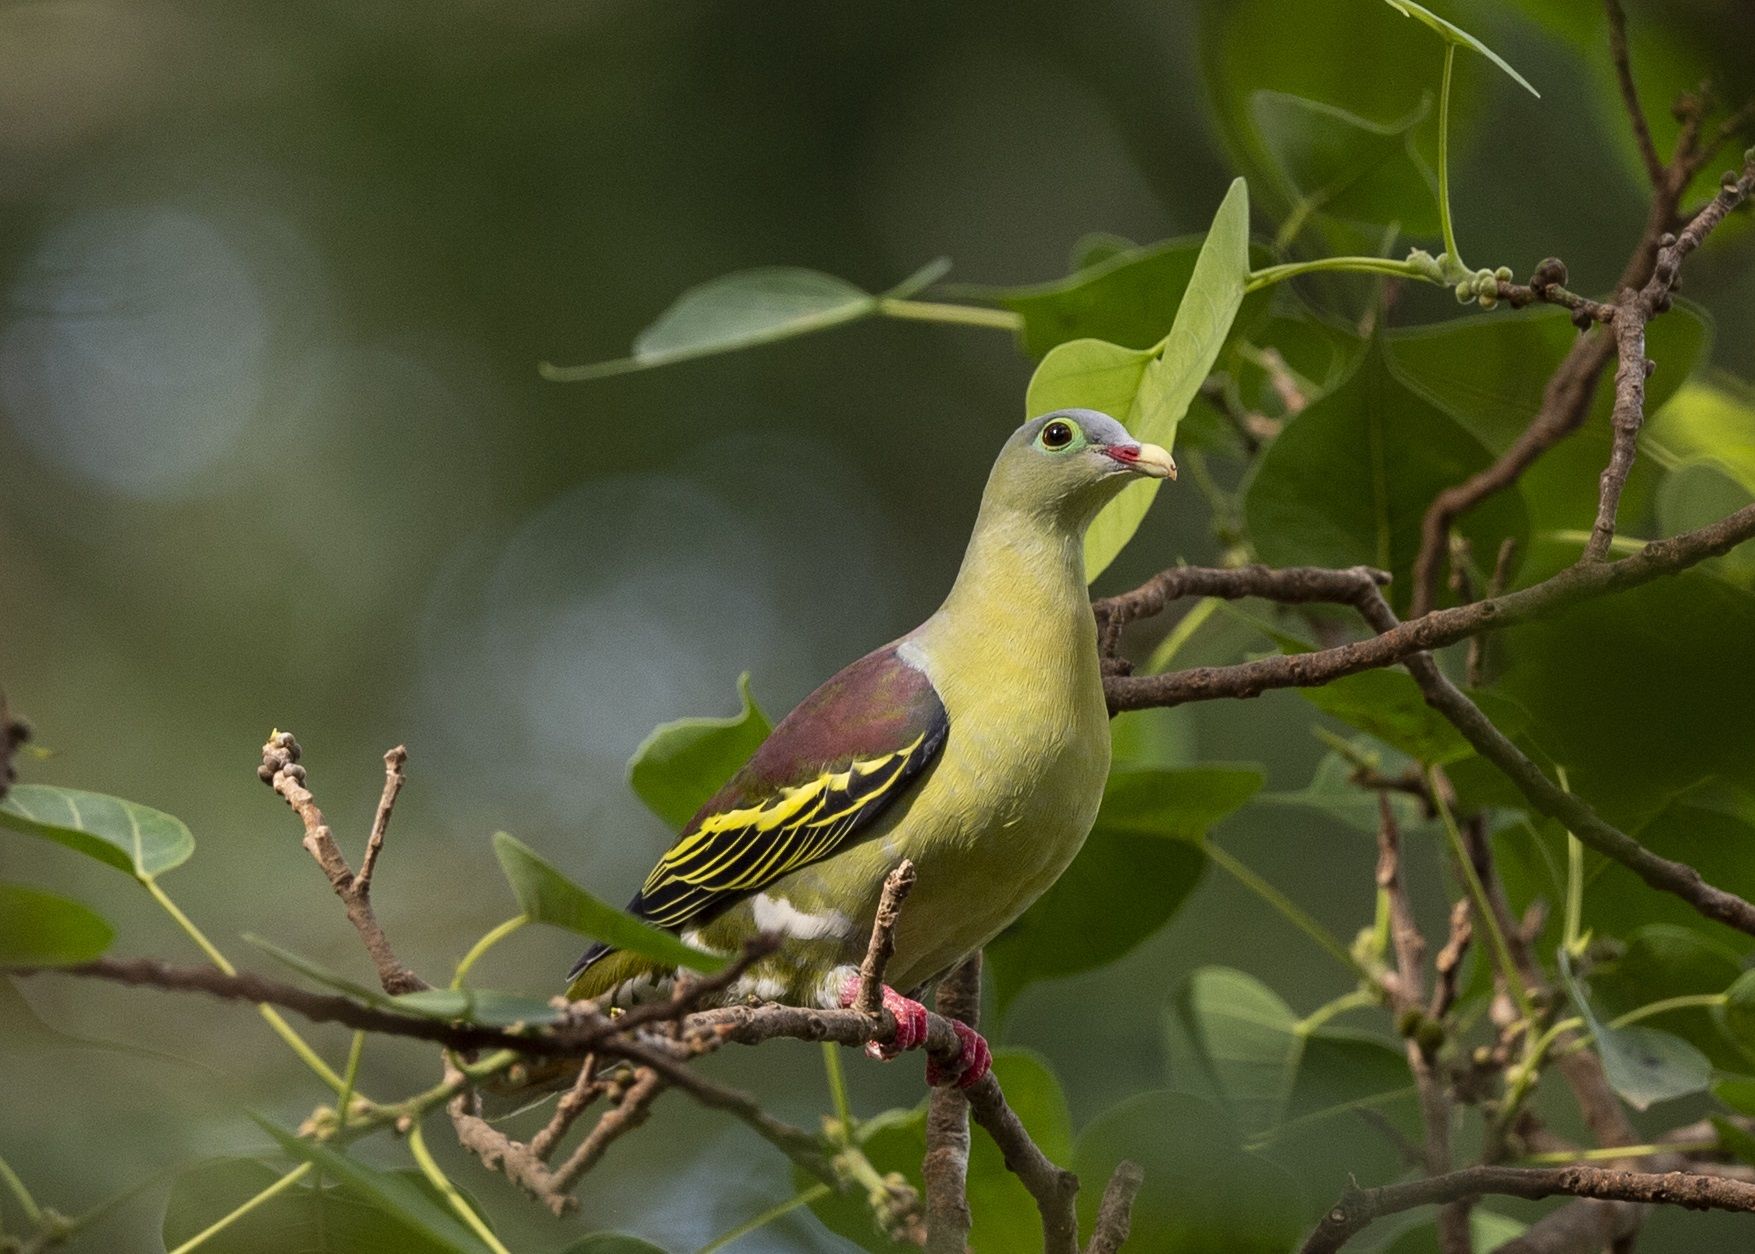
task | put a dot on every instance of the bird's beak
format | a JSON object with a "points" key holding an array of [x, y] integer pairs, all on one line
{"points": [[1144, 459]]}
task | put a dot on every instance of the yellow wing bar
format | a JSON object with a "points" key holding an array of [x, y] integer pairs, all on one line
{"points": [[738, 852]]}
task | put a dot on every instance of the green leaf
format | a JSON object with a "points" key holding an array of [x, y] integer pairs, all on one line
{"points": [[1194, 1176], [1388, 705], [394, 1194], [1455, 34], [128, 836], [1331, 790], [743, 310], [1706, 419], [547, 896], [1643, 1065], [302, 1220], [1349, 479], [1233, 1038], [1487, 1232], [1737, 1092], [1324, 1139], [1138, 866], [472, 1005], [1170, 381], [683, 763], [1738, 1012], [1734, 1140], [39, 929], [1661, 961], [1335, 163]]}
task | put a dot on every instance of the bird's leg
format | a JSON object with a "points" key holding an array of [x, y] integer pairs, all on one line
{"points": [[910, 1018], [975, 1060]]}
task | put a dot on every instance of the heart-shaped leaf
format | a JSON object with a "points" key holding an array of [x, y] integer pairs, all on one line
{"points": [[125, 834], [683, 763]]}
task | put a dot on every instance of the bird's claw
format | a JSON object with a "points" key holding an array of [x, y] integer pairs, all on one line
{"points": [[974, 1062], [910, 1017]]}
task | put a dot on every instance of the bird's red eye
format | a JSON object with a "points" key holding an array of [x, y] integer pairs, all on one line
{"points": [[1057, 435]]}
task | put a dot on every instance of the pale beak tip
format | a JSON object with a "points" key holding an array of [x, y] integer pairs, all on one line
{"points": [[1156, 462]]}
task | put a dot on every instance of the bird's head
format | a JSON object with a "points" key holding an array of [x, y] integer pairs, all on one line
{"points": [[1068, 464]]}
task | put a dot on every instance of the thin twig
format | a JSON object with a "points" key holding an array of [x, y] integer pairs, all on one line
{"points": [[1648, 153], [281, 771], [870, 997], [1115, 1211]]}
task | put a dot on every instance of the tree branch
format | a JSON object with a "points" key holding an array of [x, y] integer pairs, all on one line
{"points": [[1648, 153], [1431, 631], [1359, 1207]]}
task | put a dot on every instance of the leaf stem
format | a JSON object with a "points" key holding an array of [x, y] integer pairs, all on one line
{"points": [[1259, 279], [1688, 1001], [417, 1146], [1608, 1153], [1444, 159], [1293, 913], [487, 942], [838, 1091], [1478, 898], [813, 1194], [944, 311], [350, 1077], [32, 1211], [266, 1195], [281, 1027]]}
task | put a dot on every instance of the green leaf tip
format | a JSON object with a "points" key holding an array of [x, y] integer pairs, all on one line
{"points": [[1452, 33]]}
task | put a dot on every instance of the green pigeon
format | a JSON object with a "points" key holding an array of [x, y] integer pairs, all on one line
{"points": [[977, 746]]}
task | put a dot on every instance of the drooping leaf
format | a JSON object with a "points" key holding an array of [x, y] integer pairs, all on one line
{"points": [[743, 310], [125, 834], [39, 929], [1139, 864], [394, 1194], [1173, 378], [683, 763], [1349, 479], [547, 896], [1643, 1065], [1452, 33], [302, 1220]]}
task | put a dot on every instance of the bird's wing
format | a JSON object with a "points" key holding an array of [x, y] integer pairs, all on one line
{"points": [[847, 753]]}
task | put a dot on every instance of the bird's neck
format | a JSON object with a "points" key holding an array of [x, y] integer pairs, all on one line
{"points": [[1021, 589]]}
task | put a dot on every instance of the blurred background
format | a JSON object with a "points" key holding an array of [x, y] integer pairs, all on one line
{"points": [[274, 283]]}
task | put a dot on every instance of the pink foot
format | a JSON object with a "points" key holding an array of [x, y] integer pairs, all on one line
{"points": [[974, 1062], [910, 1018]]}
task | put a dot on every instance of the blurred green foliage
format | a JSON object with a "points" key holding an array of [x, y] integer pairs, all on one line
{"points": [[274, 448]]}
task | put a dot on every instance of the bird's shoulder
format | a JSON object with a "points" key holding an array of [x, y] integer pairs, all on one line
{"points": [[882, 705]]}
